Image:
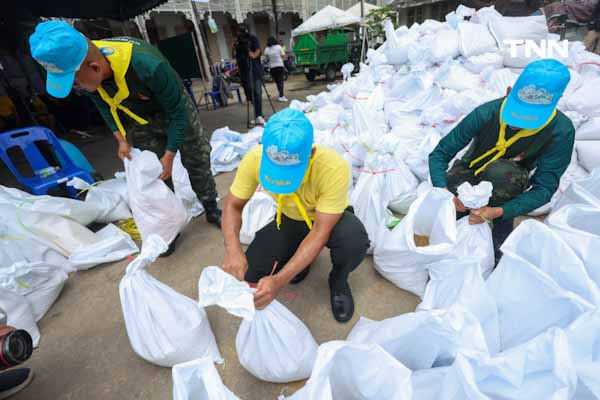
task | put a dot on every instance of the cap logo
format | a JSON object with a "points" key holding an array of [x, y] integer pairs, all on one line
{"points": [[532, 95], [52, 68], [107, 51], [282, 157], [277, 182]]}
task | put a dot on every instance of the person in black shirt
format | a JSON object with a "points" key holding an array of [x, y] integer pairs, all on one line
{"points": [[247, 55]]}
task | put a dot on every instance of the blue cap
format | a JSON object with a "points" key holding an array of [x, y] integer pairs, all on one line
{"points": [[534, 96], [287, 146], [60, 49]]}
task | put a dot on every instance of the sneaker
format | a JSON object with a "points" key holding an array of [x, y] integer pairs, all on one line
{"points": [[13, 381], [260, 121], [282, 99]]}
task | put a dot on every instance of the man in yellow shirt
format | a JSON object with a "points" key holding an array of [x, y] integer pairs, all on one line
{"points": [[310, 184]]}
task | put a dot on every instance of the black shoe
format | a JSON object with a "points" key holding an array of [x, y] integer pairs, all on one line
{"points": [[301, 276], [342, 303], [13, 381], [213, 213], [171, 248], [214, 217]]}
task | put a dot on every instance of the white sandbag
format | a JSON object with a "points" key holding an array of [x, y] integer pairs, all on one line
{"points": [[543, 248], [475, 242], [529, 301], [475, 39], [456, 77], [539, 369], [227, 150], [15, 247], [490, 60], [418, 158], [77, 210], [423, 339], [518, 58], [497, 81], [199, 380], [584, 347], [484, 15], [347, 70], [104, 198], [164, 327], [112, 244], [585, 99], [258, 212], [183, 188], [589, 130], [155, 208], [264, 338], [19, 313], [445, 45], [587, 153], [396, 255], [38, 282], [579, 227], [395, 52], [352, 371], [401, 204], [460, 282], [519, 28], [427, 383], [383, 179], [584, 191], [477, 196]]}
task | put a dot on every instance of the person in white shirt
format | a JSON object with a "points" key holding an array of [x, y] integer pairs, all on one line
{"points": [[274, 55]]}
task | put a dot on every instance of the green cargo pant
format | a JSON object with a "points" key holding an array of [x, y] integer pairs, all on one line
{"points": [[195, 150], [508, 178]]}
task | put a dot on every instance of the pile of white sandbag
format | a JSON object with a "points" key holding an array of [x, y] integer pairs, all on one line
{"points": [[529, 328]]}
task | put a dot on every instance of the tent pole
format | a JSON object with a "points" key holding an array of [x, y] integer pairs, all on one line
{"points": [[200, 44]]}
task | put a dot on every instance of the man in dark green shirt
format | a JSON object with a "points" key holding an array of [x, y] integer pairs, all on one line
{"points": [[511, 137], [139, 95]]}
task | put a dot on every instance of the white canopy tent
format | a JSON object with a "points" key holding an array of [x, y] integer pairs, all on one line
{"points": [[355, 9], [327, 18]]}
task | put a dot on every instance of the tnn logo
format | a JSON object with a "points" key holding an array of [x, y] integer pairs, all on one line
{"points": [[545, 48]]}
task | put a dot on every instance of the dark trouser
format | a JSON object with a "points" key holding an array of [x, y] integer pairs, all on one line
{"points": [[277, 74], [509, 180], [254, 94], [195, 149], [348, 244]]}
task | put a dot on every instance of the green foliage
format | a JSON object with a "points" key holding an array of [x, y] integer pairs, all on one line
{"points": [[375, 20]]}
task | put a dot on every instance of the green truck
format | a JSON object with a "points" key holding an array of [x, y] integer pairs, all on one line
{"points": [[325, 52]]}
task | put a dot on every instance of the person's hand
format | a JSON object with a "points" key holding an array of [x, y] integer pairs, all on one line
{"points": [[124, 150], [236, 264], [485, 214], [460, 207], [4, 329], [266, 291], [167, 164]]}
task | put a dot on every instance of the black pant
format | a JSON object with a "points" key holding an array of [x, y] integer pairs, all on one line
{"points": [[348, 244], [277, 74], [254, 94]]}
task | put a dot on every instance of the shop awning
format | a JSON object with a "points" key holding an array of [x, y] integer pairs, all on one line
{"points": [[116, 9]]}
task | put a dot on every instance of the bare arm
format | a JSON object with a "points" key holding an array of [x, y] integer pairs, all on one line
{"points": [[235, 261], [307, 252], [124, 148], [254, 54]]}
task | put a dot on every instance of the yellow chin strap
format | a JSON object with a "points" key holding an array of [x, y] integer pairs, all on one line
{"points": [[296, 199], [502, 145], [119, 61]]}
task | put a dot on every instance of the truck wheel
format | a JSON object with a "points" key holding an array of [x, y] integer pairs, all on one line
{"points": [[330, 72], [311, 75]]}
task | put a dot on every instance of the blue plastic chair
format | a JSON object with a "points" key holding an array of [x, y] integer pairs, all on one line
{"points": [[39, 184]]}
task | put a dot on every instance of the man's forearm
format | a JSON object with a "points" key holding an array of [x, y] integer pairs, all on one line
{"points": [[231, 226], [307, 252], [119, 137]]}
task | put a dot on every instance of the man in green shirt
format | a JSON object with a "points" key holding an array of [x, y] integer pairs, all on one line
{"points": [[139, 95], [511, 137]]}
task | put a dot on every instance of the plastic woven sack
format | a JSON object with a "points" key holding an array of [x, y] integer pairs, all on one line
{"points": [[199, 380], [164, 327]]}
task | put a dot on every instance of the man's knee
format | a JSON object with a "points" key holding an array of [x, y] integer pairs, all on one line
{"points": [[349, 239]]}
